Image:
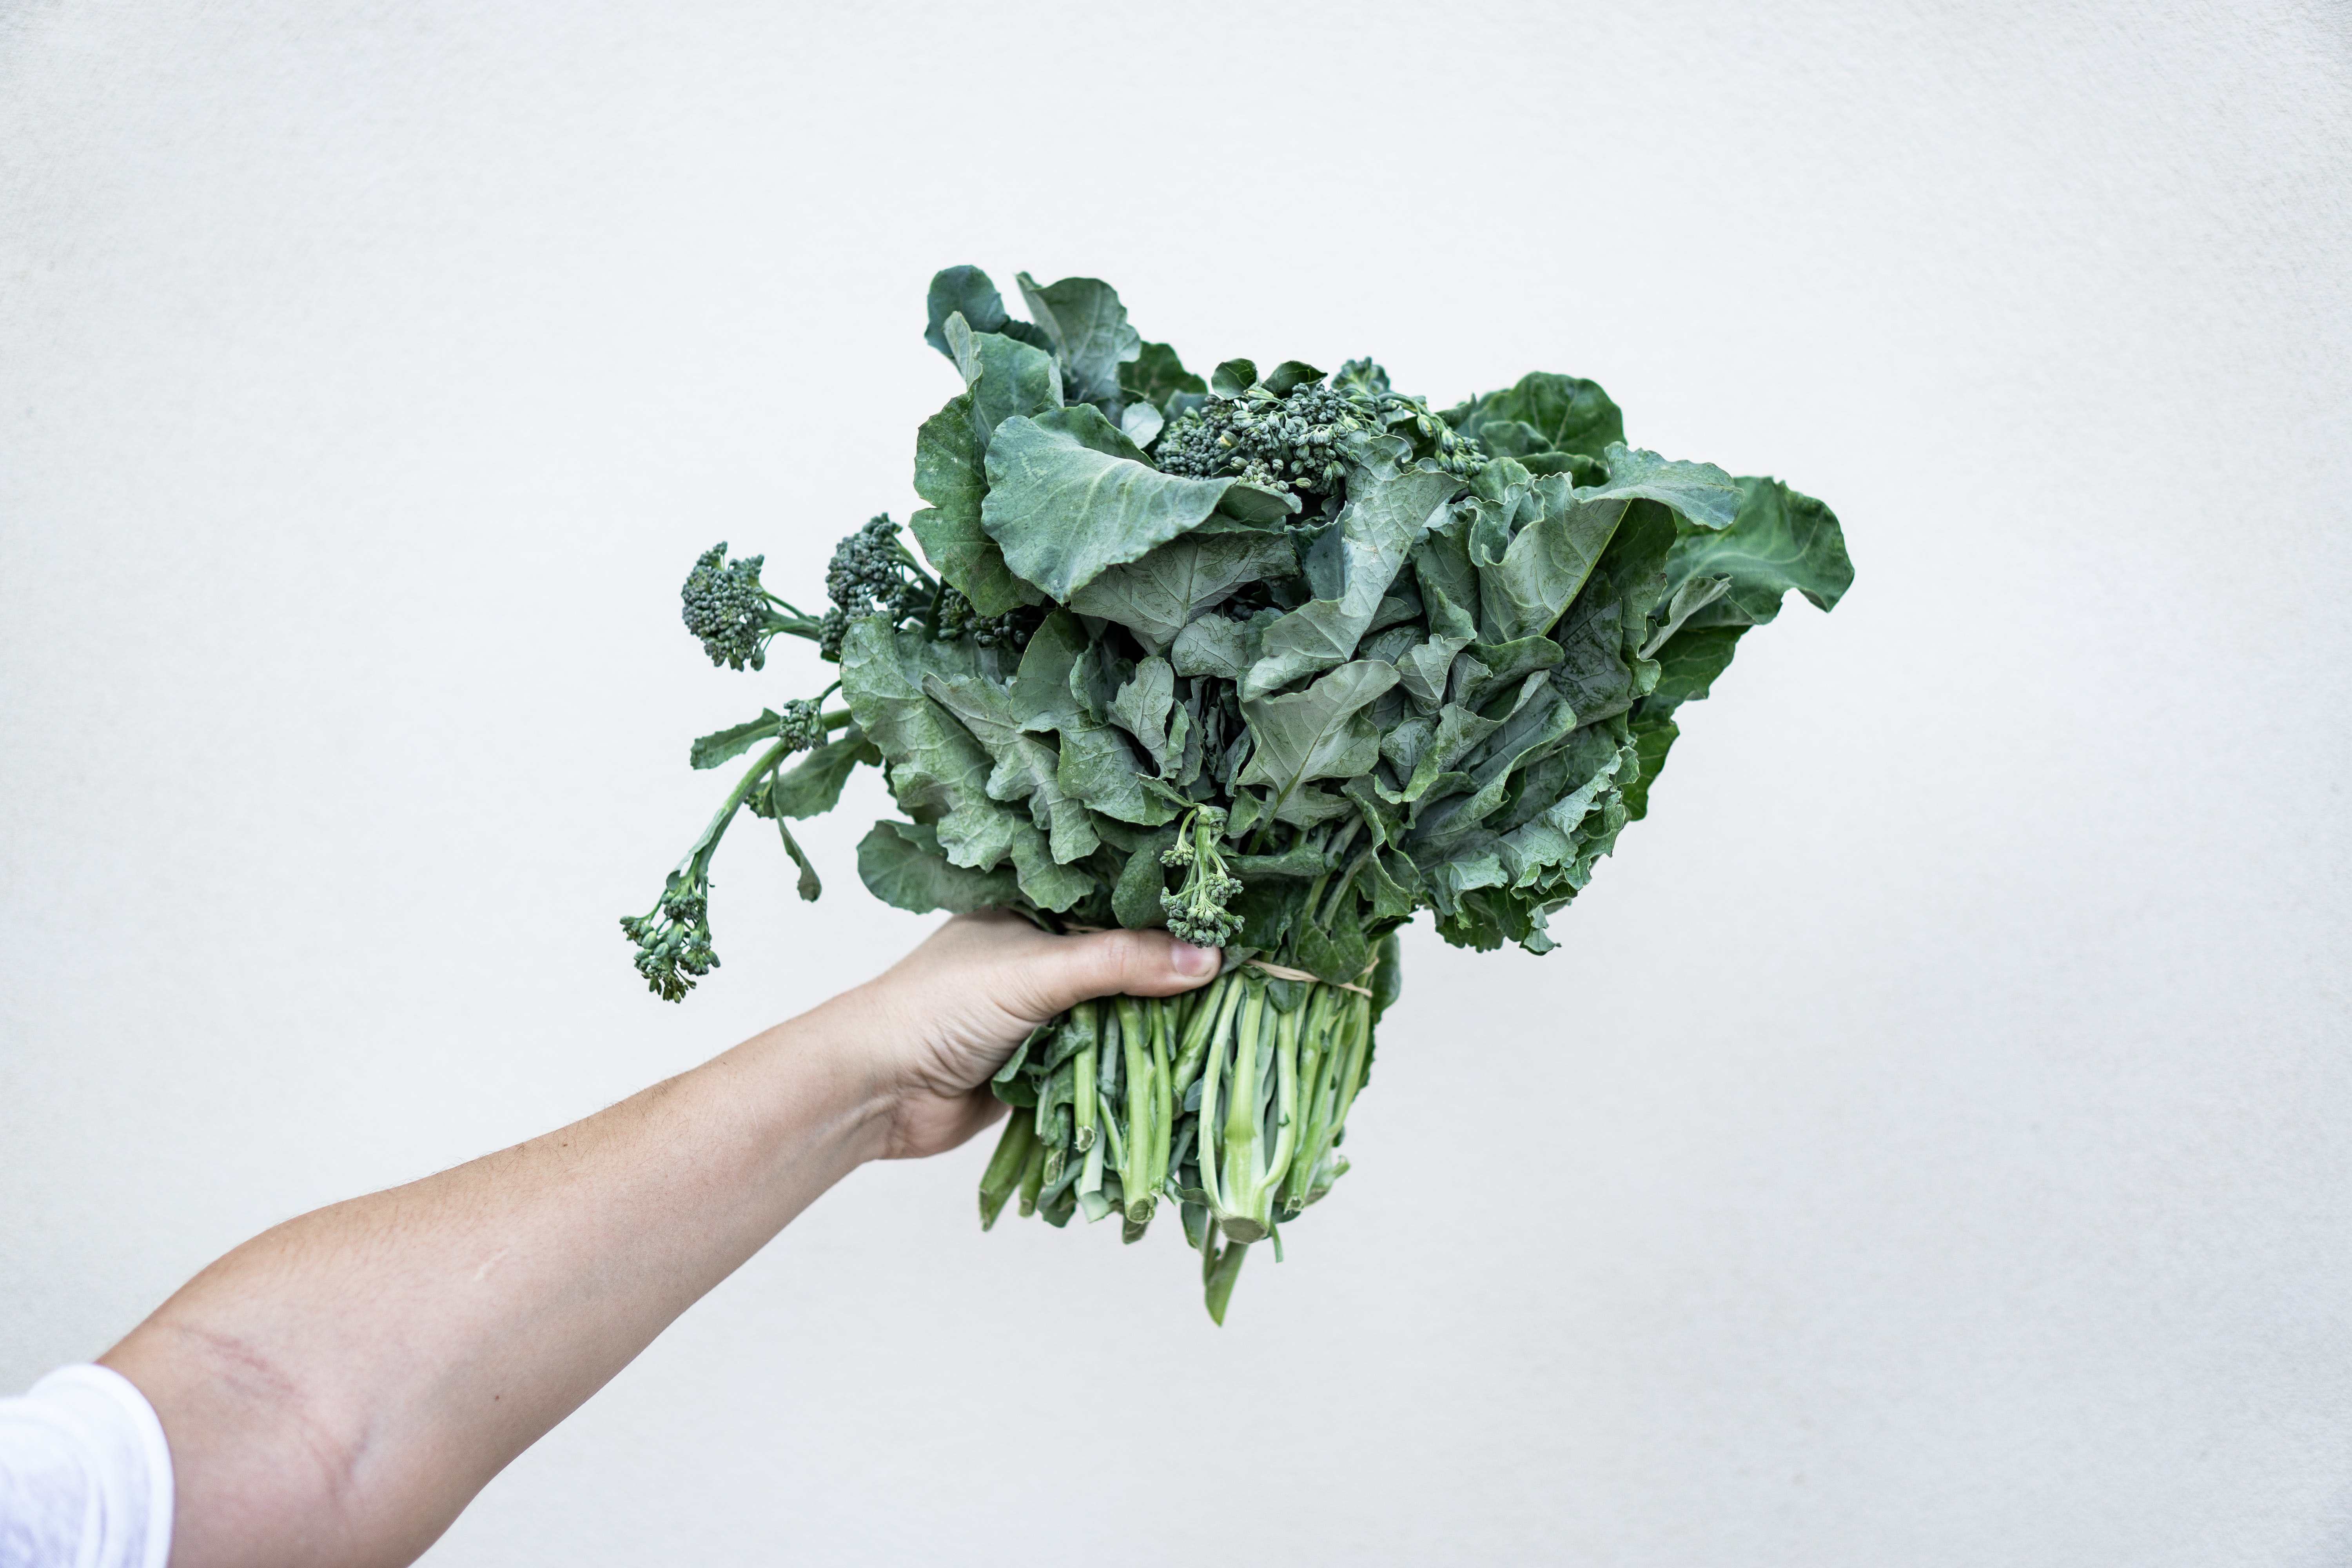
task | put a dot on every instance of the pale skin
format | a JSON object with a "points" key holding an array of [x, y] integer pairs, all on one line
{"points": [[338, 1389]]}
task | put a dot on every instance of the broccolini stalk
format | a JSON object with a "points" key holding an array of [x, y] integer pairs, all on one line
{"points": [[1340, 1040], [1007, 1167], [731, 614], [673, 938], [1197, 912], [1143, 1166]]}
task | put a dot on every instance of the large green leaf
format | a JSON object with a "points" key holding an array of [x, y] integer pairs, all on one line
{"points": [[1385, 516], [1156, 375], [1779, 540], [1422, 669], [811, 786], [1319, 733], [1098, 766], [1700, 493], [902, 865], [1027, 767], [1688, 664], [1090, 334], [938, 773], [1653, 737], [949, 473], [963, 291], [1538, 724], [1448, 583], [1143, 707], [1458, 731], [1556, 836], [1547, 561], [1220, 646], [1565, 413], [1557, 533], [1069, 496], [1006, 378], [1157, 597], [1592, 673]]}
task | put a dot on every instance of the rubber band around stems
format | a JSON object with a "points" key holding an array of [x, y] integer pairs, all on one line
{"points": [[1278, 971]]}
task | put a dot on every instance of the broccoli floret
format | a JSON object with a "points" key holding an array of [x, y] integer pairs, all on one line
{"points": [[872, 573], [803, 727], [674, 937], [1197, 912], [955, 619], [1293, 443], [1288, 444], [730, 614]]}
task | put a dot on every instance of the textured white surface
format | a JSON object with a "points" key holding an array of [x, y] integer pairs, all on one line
{"points": [[1931, 1144]]}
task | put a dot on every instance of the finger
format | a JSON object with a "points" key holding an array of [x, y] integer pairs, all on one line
{"points": [[1071, 969]]}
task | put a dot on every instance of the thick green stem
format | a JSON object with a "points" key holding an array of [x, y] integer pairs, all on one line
{"points": [[1033, 1176], [1005, 1166], [1205, 1028], [1146, 1135], [1219, 1266], [1082, 1085]]}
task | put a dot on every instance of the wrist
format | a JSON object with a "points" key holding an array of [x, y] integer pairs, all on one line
{"points": [[835, 1068]]}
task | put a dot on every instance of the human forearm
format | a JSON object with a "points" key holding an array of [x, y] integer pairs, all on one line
{"points": [[340, 1387], [337, 1390]]}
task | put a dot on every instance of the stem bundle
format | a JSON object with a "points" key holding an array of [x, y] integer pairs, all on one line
{"points": [[1232, 1101]]}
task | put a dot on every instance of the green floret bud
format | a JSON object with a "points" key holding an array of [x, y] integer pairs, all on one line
{"points": [[1197, 912], [871, 574], [803, 727], [673, 938], [954, 617], [1296, 443], [726, 610]]}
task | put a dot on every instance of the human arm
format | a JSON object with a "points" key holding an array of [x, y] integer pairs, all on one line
{"points": [[337, 1390]]}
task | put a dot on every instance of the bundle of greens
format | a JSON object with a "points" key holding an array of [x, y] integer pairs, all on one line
{"points": [[1272, 660]]}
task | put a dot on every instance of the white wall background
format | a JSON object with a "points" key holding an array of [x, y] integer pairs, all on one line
{"points": [[1932, 1144]]}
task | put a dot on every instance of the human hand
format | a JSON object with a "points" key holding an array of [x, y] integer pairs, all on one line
{"points": [[942, 1020]]}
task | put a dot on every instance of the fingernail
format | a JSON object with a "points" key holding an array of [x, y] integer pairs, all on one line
{"points": [[1191, 960]]}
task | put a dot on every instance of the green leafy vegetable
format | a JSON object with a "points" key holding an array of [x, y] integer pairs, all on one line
{"points": [[1276, 661]]}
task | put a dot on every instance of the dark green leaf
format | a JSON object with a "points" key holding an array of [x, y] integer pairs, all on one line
{"points": [[1565, 413], [1290, 373], [1157, 597], [1320, 732], [1135, 902], [1233, 378], [724, 745], [1779, 539], [1027, 768], [966, 291], [1384, 518], [813, 785], [902, 865], [948, 474], [1089, 332], [1653, 737], [810, 887], [1155, 374], [1688, 664], [937, 770], [1069, 496], [1006, 378]]}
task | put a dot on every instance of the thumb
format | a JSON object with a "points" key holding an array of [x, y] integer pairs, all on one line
{"points": [[1073, 969]]}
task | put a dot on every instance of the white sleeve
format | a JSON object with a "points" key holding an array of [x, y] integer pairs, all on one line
{"points": [[84, 1474]]}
